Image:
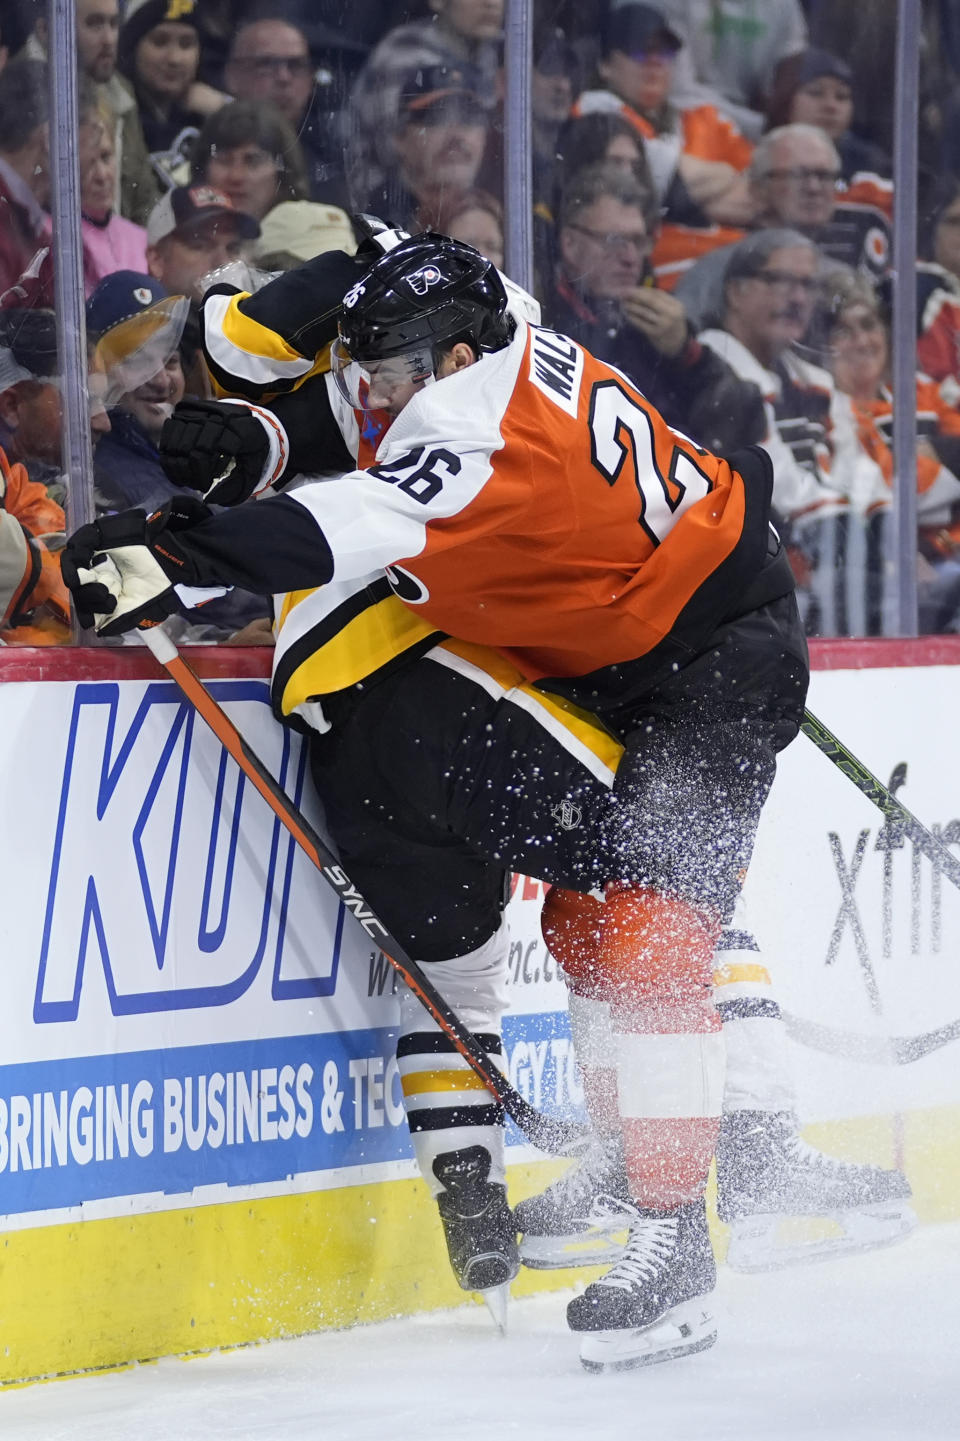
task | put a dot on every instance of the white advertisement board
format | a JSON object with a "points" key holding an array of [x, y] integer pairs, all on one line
{"points": [[188, 1013]]}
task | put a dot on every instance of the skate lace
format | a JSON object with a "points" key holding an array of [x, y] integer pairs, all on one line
{"points": [[645, 1254], [806, 1155]]}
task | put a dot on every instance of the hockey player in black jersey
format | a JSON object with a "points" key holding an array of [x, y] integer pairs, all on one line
{"points": [[297, 696]]}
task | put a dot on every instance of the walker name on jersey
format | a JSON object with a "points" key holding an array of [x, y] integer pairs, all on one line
{"points": [[170, 884], [556, 367], [241, 1113]]}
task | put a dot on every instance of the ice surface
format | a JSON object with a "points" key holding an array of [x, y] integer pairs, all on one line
{"points": [[861, 1349]]}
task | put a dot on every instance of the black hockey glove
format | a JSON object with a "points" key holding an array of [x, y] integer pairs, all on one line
{"points": [[217, 448], [121, 570]]}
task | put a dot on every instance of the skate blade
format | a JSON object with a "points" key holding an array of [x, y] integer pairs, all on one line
{"points": [[495, 1298], [681, 1332], [770, 1243], [586, 1248]]}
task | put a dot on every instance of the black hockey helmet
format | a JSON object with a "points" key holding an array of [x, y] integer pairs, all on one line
{"points": [[427, 293]]}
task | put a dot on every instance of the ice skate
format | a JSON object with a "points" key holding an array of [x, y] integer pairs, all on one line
{"points": [[767, 1175], [654, 1303], [579, 1219], [478, 1225]]}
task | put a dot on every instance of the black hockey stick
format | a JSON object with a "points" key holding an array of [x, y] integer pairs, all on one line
{"points": [[549, 1133], [882, 798]]}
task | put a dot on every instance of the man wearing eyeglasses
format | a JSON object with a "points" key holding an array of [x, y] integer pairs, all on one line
{"points": [[603, 295], [793, 181], [270, 62], [827, 489]]}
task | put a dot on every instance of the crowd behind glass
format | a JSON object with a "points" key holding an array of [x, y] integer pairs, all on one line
{"points": [[712, 206]]}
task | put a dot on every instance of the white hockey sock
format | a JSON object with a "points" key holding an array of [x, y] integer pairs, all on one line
{"points": [[448, 1107], [758, 1072]]}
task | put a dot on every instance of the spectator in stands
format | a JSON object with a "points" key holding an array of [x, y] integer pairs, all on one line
{"points": [[439, 144], [793, 179], [159, 52], [554, 85], [584, 141], [270, 63], [34, 605], [248, 151], [816, 88], [192, 231], [128, 470], [30, 408], [110, 241], [697, 157], [98, 24], [137, 324], [860, 361], [24, 166], [603, 295], [826, 487], [938, 286], [459, 34], [733, 53], [97, 35], [298, 230], [475, 216]]}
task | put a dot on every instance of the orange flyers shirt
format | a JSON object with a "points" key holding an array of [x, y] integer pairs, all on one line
{"points": [[536, 502]]}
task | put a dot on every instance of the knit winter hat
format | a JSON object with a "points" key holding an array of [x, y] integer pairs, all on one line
{"points": [[142, 15]]}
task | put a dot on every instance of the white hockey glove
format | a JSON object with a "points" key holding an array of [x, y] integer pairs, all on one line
{"points": [[122, 570]]}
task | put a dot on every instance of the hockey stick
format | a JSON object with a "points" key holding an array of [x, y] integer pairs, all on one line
{"points": [[878, 1050], [882, 798], [549, 1133]]}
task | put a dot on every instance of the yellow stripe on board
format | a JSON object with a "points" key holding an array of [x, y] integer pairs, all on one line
{"points": [[418, 1082], [730, 975]]}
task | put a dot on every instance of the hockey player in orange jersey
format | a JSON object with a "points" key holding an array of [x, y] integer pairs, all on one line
{"points": [[528, 498]]}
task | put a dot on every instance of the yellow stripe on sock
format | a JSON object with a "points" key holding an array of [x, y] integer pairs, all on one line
{"points": [[730, 975], [417, 1082]]}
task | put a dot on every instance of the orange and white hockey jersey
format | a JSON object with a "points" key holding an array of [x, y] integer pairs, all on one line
{"points": [[533, 502]]}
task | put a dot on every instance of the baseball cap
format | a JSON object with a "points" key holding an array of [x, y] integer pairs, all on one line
{"points": [[136, 324], [816, 63], [633, 28], [120, 295], [304, 228], [186, 204], [429, 85]]}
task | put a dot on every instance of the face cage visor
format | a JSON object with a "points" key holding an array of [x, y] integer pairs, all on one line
{"points": [[381, 384]]}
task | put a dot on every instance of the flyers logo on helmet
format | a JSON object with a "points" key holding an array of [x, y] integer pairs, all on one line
{"points": [[421, 280]]}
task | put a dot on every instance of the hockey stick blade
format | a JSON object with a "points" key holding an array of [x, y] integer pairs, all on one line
{"points": [[549, 1133], [885, 801], [873, 1050]]}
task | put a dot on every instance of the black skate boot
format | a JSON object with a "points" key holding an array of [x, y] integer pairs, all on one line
{"points": [[579, 1219], [654, 1303], [765, 1172], [480, 1231]]}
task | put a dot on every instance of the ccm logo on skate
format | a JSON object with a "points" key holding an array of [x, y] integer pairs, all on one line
{"points": [[169, 885]]}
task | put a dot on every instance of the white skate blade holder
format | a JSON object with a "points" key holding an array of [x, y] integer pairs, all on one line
{"points": [[595, 1247], [683, 1331], [495, 1298], [769, 1242]]}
